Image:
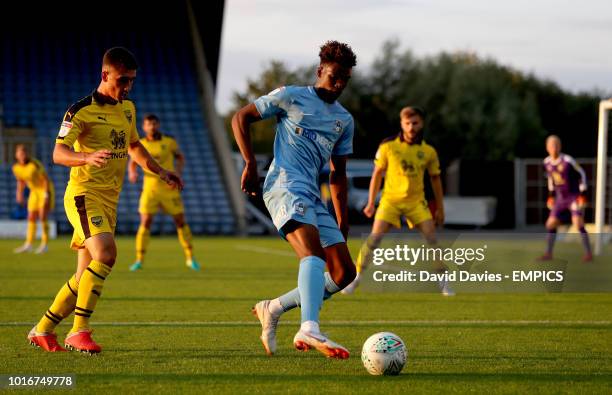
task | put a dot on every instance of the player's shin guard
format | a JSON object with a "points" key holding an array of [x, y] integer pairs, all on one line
{"points": [[184, 236], [90, 288], [585, 240], [62, 306], [30, 232], [142, 241], [550, 240], [311, 284], [45, 232]]}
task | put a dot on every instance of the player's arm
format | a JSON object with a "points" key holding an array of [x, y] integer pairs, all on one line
{"points": [[19, 192], [583, 183], [436, 186], [338, 188], [241, 123], [375, 185], [141, 156], [179, 161], [132, 171], [550, 200], [64, 155]]}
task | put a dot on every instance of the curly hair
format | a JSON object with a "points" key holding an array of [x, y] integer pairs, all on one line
{"points": [[337, 52]]}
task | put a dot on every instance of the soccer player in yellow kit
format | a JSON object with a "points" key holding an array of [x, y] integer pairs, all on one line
{"points": [[29, 171], [403, 159], [96, 137], [157, 194]]}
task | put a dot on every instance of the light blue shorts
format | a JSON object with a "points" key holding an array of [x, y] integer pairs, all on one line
{"points": [[285, 205]]}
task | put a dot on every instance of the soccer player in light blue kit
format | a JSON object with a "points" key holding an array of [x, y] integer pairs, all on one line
{"points": [[312, 129]]}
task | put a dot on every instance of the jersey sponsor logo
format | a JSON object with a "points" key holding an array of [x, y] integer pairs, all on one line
{"points": [[128, 115], [97, 221], [117, 139], [309, 134], [103, 118], [66, 126]]}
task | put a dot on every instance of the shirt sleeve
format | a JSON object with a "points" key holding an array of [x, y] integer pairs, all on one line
{"points": [[174, 147], [433, 167], [72, 126], [134, 137], [16, 173], [344, 145], [274, 103], [583, 181], [381, 159]]}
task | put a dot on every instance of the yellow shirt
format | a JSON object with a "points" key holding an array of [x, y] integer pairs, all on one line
{"points": [[163, 149], [33, 174], [405, 166], [94, 123]]}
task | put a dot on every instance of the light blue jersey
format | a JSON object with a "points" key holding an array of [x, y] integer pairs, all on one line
{"points": [[308, 132]]}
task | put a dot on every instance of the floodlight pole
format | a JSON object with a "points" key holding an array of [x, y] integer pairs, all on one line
{"points": [[602, 166]]}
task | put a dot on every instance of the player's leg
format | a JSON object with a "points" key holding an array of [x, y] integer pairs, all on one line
{"points": [[305, 240], [379, 229], [142, 240], [578, 222], [103, 252], [43, 334], [427, 229], [552, 223], [43, 215], [184, 235], [31, 226]]}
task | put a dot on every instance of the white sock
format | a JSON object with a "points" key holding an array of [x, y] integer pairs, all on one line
{"points": [[311, 327], [275, 307]]}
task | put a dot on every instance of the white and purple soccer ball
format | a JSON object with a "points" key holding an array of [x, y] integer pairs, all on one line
{"points": [[384, 353]]}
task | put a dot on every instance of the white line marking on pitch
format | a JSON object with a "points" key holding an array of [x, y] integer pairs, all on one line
{"points": [[344, 323], [264, 250]]}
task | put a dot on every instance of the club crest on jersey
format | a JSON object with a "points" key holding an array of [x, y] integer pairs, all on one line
{"points": [[338, 127], [97, 221], [420, 154], [117, 139], [128, 115]]}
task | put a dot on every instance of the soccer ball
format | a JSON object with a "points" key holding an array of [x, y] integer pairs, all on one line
{"points": [[384, 353]]}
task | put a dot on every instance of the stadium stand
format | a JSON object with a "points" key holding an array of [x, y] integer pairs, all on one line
{"points": [[41, 76]]}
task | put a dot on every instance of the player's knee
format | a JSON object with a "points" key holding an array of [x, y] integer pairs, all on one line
{"points": [[179, 221], [107, 257]]}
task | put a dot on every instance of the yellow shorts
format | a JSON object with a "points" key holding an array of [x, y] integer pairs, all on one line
{"points": [[414, 211], [168, 199], [89, 216], [36, 200]]}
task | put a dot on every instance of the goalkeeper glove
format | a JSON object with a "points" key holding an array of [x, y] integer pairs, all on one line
{"points": [[550, 202], [581, 201]]}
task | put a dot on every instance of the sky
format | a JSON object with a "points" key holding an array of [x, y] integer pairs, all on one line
{"points": [[569, 42]]}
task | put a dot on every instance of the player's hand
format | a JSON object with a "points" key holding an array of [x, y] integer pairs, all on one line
{"points": [[133, 176], [20, 200], [369, 210], [581, 201], [171, 178], [250, 180], [439, 217], [550, 202], [98, 158]]}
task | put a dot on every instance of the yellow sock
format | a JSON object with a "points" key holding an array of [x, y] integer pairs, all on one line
{"points": [[62, 306], [31, 232], [142, 241], [184, 236], [90, 288], [365, 256], [45, 232]]}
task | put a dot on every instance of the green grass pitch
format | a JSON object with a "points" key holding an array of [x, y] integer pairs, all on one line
{"points": [[168, 329]]}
